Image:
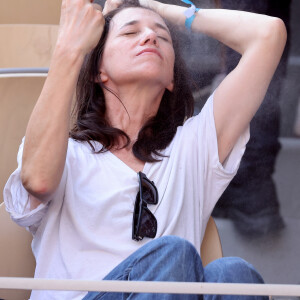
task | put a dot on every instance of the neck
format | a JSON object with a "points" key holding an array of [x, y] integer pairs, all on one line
{"points": [[141, 102]]}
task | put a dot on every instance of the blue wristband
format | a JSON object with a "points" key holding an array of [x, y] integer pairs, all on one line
{"points": [[190, 14]]}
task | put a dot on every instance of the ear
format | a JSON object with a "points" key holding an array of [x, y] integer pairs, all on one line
{"points": [[102, 77], [170, 87]]}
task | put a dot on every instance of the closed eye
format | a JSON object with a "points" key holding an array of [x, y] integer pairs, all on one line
{"points": [[136, 32], [164, 38], [130, 33]]}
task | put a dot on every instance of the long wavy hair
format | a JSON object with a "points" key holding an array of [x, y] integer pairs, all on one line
{"points": [[157, 133]]}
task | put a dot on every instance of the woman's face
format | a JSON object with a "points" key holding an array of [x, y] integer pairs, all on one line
{"points": [[138, 49]]}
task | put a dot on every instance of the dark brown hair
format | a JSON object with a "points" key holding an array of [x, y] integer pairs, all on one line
{"points": [[158, 131]]}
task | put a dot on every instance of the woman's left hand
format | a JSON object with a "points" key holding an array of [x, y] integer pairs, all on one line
{"points": [[150, 3], [113, 4]]}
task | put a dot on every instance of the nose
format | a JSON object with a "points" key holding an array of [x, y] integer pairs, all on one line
{"points": [[149, 37]]}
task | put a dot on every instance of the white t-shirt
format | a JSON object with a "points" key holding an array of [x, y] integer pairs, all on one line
{"points": [[85, 230]]}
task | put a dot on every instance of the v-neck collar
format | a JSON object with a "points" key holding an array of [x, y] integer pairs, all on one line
{"points": [[122, 163], [119, 161]]}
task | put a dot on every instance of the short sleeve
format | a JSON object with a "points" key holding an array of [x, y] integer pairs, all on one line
{"points": [[213, 176], [16, 199], [219, 175], [232, 162]]}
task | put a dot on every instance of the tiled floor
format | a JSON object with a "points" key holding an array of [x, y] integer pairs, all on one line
{"points": [[276, 257]]}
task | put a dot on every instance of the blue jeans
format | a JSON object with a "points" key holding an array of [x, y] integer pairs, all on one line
{"points": [[171, 258]]}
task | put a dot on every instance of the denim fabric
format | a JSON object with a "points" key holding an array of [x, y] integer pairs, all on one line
{"points": [[171, 258]]}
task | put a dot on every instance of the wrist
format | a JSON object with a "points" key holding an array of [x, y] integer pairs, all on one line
{"points": [[160, 8], [67, 55]]}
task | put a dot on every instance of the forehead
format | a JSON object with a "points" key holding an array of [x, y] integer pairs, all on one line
{"points": [[138, 14]]}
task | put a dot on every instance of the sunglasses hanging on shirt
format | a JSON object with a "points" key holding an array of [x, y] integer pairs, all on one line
{"points": [[144, 222]]}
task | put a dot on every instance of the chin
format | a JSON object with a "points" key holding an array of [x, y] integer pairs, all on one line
{"points": [[153, 73], [141, 76]]}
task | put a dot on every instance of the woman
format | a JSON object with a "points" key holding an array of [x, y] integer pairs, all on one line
{"points": [[80, 197]]}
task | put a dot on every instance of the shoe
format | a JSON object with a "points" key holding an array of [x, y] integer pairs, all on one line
{"points": [[259, 224]]}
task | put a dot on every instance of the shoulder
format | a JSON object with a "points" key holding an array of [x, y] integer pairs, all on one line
{"points": [[78, 149], [84, 146], [197, 132], [202, 121]]}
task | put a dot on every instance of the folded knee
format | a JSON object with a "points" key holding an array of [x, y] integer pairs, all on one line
{"points": [[172, 258], [177, 246], [231, 269]]}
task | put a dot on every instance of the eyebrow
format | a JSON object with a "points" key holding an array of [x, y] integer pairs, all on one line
{"points": [[134, 22]]}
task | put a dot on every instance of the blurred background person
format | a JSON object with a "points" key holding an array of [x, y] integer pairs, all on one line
{"points": [[251, 199]]}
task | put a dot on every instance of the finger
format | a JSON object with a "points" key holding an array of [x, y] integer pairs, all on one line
{"points": [[97, 6], [117, 2], [111, 5]]}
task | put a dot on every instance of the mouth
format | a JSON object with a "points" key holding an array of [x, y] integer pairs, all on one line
{"points": [[149, 51]]}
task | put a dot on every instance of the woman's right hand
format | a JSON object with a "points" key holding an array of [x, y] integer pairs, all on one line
{"points": [[81, 25]]}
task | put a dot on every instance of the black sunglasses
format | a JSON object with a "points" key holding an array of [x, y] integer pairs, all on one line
{"points": [[144, 223]]}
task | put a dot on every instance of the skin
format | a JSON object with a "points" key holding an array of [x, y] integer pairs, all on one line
{"points": [[259, 39], [139, 80]]}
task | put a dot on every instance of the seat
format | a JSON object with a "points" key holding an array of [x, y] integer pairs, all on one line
{"points": [[30, 12], [18, 97], [16, 259], [211, 247], [27, 46], [24, 47]]}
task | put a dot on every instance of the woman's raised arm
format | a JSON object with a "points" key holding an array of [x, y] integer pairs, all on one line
{"points": [[260, 39], [47, 132]]}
